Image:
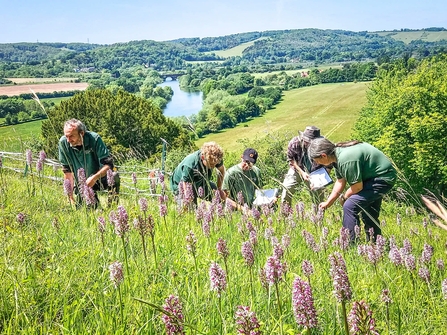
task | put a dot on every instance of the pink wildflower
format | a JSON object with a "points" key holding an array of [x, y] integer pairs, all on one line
{"points": [[246, 321], [173, 317], [218, 278], [303, 304]]}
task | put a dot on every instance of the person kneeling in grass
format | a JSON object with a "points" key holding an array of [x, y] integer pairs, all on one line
{"points": [[242, 179], [83, 149]]}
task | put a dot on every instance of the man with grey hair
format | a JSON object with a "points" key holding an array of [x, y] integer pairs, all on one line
{"points": [[82, 149]]}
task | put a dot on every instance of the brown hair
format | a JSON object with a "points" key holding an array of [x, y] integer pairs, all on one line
{"points": [[212, 150]]}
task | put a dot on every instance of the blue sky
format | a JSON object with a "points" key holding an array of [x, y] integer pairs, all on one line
{"points": [[112, 21]]}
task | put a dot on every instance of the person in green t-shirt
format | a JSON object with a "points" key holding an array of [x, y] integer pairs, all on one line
{"points": [[369, 175], [241, 180], [196, 169], [82, 149]]}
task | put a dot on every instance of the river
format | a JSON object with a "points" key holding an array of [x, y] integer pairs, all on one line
{"points": [[183, 103]]}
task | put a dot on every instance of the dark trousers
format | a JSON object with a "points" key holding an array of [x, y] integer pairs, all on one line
{"points": [[365, 205], [102, 185]]}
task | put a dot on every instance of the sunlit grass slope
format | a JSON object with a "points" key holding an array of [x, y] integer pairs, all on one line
{"points": [[12, 138], [334, 108], [408, 36], [236, 51]]}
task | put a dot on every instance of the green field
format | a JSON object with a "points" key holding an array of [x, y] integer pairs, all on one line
{"points": [[236, 51], [408, 36], [14, 138], [332, 107]]}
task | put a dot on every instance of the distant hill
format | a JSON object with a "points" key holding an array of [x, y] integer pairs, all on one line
{"points": [[297, 46]]}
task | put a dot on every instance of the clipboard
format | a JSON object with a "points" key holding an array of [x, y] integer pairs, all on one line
{"points": [[265, 197], [319, 179]]}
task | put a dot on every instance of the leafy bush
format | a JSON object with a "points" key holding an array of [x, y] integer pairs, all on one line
{"points": [[405, 116]]}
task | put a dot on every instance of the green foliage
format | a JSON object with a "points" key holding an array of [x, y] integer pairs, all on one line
{"points": [[129, 125], [406, 117]]}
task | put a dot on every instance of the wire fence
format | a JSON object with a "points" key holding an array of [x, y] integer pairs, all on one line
{"points": [[135, 179]]}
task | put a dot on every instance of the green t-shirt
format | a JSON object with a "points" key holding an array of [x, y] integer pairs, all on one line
{"points": [[236, 180], [192, 170], [87, 156], [362, 162]]}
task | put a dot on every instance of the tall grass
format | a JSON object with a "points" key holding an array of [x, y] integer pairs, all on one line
{"points": [[56, 279]]}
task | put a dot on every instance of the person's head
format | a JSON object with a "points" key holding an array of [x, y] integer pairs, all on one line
{"points": [[322, 151], [249, 158], [74, 131], [309, 134], [212, 154]]}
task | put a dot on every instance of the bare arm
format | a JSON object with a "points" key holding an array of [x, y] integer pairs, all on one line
{"points": [[304, 175], [354, 189], [98, 175], [338, 188], [220, 176]]}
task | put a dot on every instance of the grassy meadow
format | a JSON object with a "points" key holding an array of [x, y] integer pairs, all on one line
{"points": [[408, 36], [112, 270], [14, 138], [333, 108], [236, 51]]}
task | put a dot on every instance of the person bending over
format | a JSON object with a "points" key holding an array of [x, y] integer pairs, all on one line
{"points": [[196, 169], [368, 175]]}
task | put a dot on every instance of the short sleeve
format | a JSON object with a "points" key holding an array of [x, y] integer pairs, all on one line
{"points": [[352, 172]]}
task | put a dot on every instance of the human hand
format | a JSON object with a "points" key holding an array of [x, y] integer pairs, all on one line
{"points": [[222, 194], [91, 180], [305, 176], [324, 205]]}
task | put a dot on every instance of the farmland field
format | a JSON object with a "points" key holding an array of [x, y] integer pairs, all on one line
{"points": [[41, 88], [236, 51], [292, 72], [333, 108]]}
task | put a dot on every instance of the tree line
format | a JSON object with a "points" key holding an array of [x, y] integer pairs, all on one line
{"points": [[298, 46]]}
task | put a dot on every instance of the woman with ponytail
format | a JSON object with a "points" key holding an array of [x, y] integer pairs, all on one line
{"points": [[366, 174]]}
